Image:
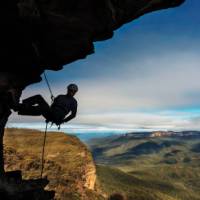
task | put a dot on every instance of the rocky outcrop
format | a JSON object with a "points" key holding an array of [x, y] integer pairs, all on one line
{"points": [[68, 163], [13, 187], [90, 176]]}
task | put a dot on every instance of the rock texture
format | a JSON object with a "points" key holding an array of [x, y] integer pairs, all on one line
{"points": [[12, 187], [68, 164]]}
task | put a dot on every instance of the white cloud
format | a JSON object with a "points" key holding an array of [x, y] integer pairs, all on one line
{"points": [[163, 83], [123, 122], [126, 78]]}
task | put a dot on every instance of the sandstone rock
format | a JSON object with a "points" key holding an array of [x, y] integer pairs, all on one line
{"points": [[69, 172]]}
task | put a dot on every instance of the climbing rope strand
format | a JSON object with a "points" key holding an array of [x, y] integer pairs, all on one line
{"points": [[45, 133], [43, 148], [51, 93], [49, 87]]}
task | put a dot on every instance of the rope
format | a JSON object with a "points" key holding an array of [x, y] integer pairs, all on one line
{"points": [[51, 93], [43, 148], [45, 133], [49, 87]]}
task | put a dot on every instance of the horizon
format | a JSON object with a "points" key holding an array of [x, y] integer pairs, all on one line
{"points": [[86, 132]]}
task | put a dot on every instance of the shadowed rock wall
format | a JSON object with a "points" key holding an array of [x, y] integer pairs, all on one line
{"points": [[46, 34]]}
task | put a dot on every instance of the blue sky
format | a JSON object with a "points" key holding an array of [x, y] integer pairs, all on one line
{"points": [[146, 76]]}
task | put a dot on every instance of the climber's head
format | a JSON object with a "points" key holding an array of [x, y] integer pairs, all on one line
{"points": [[72, 89]]}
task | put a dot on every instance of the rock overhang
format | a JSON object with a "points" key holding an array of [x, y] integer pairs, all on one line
{"points": [[48, 34]]}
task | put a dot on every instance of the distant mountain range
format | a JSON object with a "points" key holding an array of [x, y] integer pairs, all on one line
{"points": [[164, 134], [131, 145], [159, 165]]}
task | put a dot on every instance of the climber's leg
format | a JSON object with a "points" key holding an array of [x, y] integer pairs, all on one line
{"points": [[34, 106], [36, 99], [29, 110]]}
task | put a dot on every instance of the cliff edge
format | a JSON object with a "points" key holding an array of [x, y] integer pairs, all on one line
{"points": [[69, 165]]}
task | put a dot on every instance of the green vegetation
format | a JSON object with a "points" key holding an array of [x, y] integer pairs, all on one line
{"points": [[160, 168]]}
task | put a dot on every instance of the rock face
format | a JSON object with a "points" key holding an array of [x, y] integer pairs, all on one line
{"points": [[13, 187], [68, 164], [46, 34], [90, 176]]}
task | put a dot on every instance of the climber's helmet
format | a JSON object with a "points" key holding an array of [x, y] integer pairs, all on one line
{"points": [[72, 88]]}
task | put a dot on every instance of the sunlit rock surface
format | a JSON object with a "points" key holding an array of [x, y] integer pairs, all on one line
{"points": [[68, 163]]}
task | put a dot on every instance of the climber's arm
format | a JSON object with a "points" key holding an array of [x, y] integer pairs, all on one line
{"points": [[72, 115]]}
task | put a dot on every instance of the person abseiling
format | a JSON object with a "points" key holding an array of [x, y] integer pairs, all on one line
{"points": [[58, 112]]}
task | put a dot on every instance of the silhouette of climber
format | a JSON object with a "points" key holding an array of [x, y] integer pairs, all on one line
{"points": [[57, 112]]}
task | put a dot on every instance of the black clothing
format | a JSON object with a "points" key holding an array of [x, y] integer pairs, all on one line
{"points": [[62, 106]]}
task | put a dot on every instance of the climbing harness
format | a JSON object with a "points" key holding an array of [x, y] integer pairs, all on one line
{"points": [[51, 94]]}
